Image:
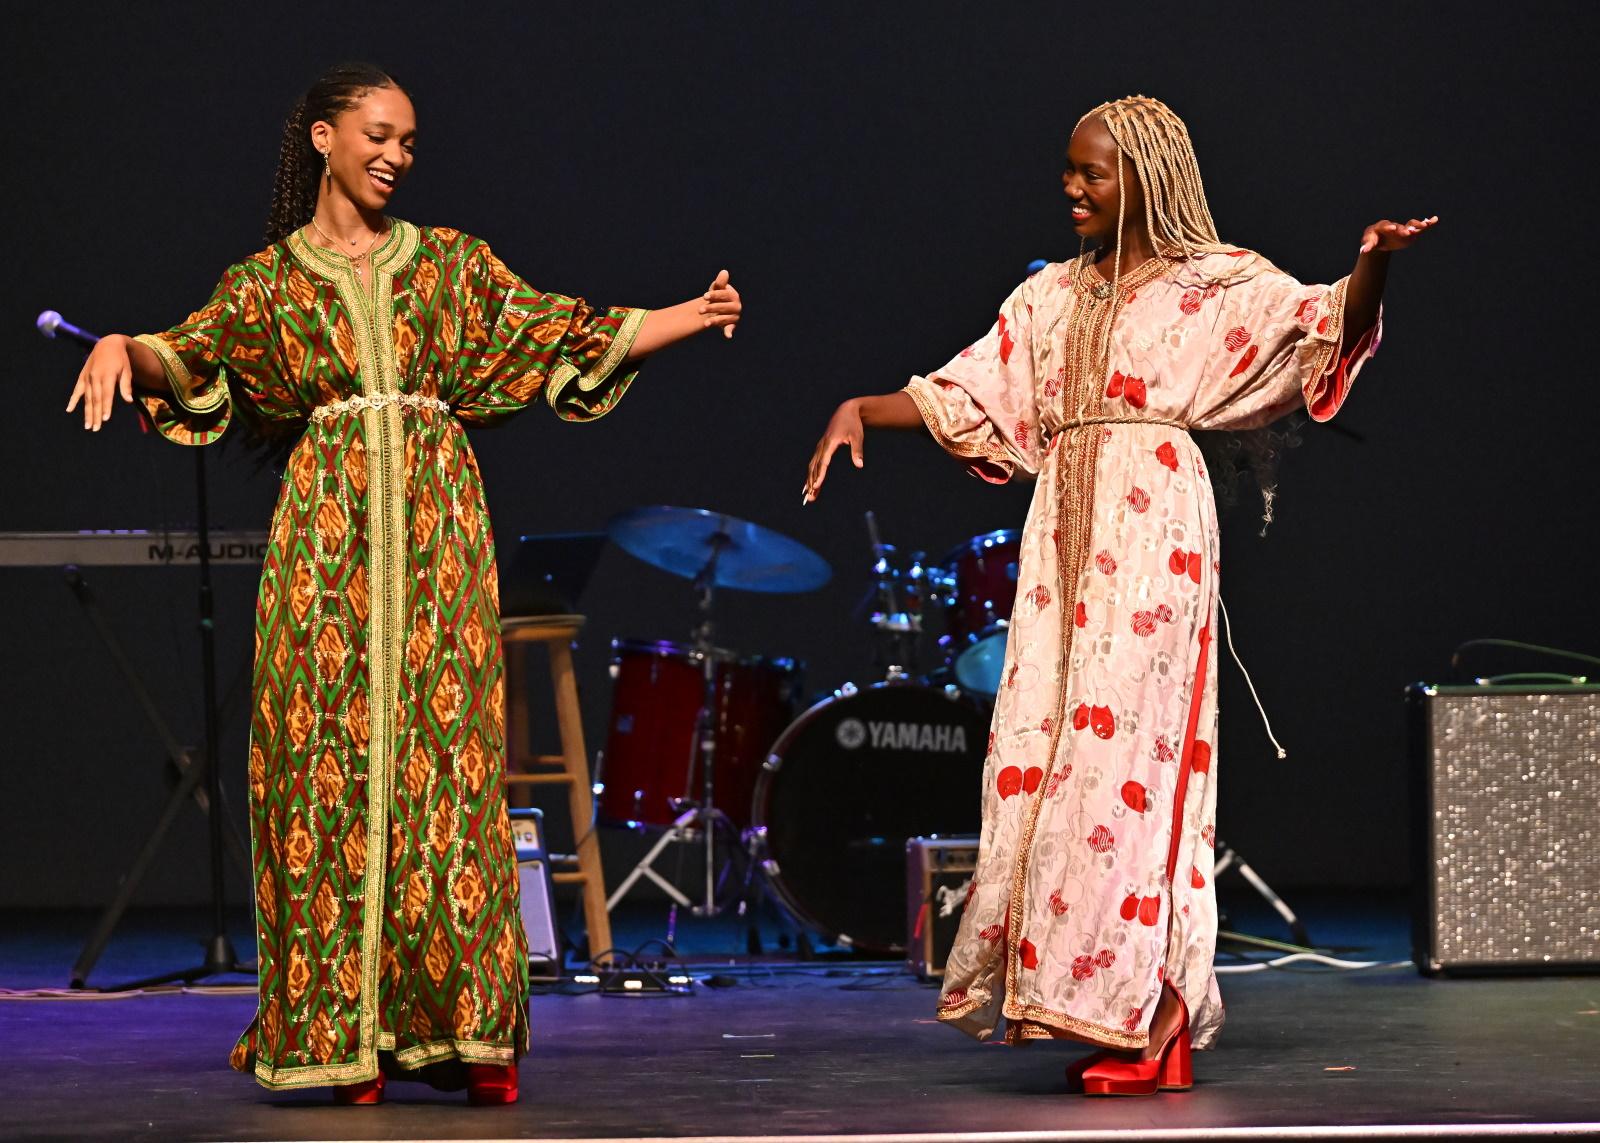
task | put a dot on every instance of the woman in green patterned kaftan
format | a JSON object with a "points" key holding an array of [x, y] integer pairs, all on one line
{"points": [[386, 885]]}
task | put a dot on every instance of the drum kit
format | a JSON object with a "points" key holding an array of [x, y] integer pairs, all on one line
{"points": [[707, 744]]}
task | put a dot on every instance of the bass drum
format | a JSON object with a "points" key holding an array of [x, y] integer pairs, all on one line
{"points": [[846, 786]]}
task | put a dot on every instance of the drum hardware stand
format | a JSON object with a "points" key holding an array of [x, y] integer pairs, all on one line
{"points": [[1228, 857], [740, 555], [757, 889], [685, 827], [702, 819]]}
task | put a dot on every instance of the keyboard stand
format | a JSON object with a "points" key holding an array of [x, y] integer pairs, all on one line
{"points": [[184, 761]]}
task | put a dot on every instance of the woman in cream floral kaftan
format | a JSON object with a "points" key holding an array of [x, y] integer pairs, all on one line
{"points": [[1093, 882], [1099, 798]]}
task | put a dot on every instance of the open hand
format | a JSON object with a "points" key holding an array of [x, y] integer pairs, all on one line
{"points": [[106, 373], [721, 305], [844, 428], [1386, 235]]}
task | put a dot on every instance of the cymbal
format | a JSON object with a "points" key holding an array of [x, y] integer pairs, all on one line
{"points": [[749, 557]]}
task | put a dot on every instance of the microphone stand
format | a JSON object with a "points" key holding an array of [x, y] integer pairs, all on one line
{"points": [[220, 957]]}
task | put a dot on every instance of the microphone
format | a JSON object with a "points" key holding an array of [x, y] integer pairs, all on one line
{"points": [[53, 325], [1036, 265]]}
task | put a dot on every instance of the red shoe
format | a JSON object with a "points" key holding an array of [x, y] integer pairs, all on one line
{"points": [[490, 1085], [1170, 1069], [368, 1091], [1076, 1069]]}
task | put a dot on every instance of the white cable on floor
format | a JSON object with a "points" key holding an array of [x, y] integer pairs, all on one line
{"points": [[128, 994], [1316, 958]]}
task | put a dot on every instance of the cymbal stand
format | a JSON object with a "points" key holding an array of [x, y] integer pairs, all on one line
{"points": [[705, 586], [704, 815], [897, 629]]}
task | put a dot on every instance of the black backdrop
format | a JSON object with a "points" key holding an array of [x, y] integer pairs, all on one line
{"points": [[877, 177]]}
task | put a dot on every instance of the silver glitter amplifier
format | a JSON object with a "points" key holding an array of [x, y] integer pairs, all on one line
{"points": [[1506, 793]]}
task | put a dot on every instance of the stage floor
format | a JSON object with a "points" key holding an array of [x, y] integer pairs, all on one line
{"points": [[825, 1049]]}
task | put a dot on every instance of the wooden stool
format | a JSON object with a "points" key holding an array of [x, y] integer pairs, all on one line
{"points": [[569, 768]]}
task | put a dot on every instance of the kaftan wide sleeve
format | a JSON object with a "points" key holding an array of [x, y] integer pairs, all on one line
{"points": [[1277, 345], [517, 342], [981, 407], [223, 352]]}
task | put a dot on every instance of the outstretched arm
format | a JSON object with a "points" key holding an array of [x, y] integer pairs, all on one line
{"points": [[1365, 292], [118, 364], [719, 306], [847, 426]]}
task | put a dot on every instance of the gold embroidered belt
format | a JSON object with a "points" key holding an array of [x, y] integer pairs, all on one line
{"points": [[356, 404], [1051, 435], [1080, 423]]}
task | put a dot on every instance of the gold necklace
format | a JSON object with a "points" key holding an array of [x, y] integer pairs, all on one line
{"points": [[354, 259]]}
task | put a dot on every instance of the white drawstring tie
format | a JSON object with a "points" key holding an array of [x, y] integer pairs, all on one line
{"points": [[1227, 628]]}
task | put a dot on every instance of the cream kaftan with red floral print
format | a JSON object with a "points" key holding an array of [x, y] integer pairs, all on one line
{"points": [[1099, 790]]}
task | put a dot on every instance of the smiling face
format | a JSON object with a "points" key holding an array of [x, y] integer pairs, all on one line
{"points": [[369, 147], [1090, 181]]}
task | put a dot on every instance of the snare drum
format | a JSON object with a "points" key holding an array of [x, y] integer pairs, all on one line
{"points": [[648, 769], [846, 786], [981, 578]]}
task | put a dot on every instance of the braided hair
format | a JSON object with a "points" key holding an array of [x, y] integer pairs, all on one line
{"points": [[1176, 211], [294, 201], [1178, 220], [294, 187]]}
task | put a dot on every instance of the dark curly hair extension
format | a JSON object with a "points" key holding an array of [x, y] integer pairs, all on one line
{"points": [[294, 187], [1255, 453]]}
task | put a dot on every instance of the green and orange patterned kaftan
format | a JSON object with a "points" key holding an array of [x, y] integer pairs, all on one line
{"points": [[386, 888]]}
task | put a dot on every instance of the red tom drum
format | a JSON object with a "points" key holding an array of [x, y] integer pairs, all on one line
{"points": [[649, 769], [981, 576], [980, 580]]}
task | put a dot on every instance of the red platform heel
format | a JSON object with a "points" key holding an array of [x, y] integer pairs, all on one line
{"points": [[366, 1092], [1077, 1067], [491, 1085], [1170, 1069]]}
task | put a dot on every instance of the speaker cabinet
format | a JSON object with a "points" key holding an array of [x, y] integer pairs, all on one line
{"points": [[938, 872], [1506, 799], [538, 895]]}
